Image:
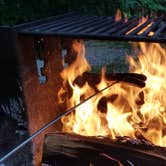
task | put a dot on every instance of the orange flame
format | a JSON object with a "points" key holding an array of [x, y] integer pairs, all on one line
{"points": [[118, 15], [152, 62], [151, 33], [120, 115]]}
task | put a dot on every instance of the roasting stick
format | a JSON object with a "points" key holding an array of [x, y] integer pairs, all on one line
{"points": [[52, 122]]}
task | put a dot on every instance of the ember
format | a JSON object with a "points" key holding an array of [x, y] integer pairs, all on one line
{"points": [[118, 15]]}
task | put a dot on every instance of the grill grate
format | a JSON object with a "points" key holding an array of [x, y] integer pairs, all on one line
{"points": [[96, 27]]}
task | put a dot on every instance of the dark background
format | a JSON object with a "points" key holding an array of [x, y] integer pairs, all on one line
{"points": [[17, 11]]}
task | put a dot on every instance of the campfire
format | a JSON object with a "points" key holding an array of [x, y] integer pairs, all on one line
{"points": [[116, 124], [118, 118], [122, 110], [112, 126]]}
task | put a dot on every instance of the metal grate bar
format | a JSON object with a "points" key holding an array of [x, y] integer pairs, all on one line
{"points": [[77, 26], [54, 22], [153, 26], [106, 28], [121, 25], [42, 22], [73, 25], [128, 28], [96, 27], [66, 23], [161, 29], [134, 32], [85, 25]]}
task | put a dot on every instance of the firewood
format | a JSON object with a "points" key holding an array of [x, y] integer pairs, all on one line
{"points": [[73, 149]]}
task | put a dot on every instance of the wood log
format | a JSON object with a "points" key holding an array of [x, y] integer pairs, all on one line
{"points": [[73, 149]]}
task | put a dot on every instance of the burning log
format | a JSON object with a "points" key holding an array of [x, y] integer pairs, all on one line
{"points": [[72, 149]]}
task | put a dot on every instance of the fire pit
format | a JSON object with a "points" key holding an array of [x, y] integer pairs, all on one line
{"points": [[120, 121]]}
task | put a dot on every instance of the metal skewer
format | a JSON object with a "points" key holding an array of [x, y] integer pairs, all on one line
{"points": [[52, 122]]}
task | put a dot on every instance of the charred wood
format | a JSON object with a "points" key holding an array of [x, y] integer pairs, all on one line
{"points": [[72, 149]]}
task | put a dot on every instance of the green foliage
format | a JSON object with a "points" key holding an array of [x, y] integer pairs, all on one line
{"points": [[17, 11], [142, 7]]}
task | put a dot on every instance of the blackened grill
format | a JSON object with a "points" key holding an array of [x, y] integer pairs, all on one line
{"points": [[96, 27]]}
